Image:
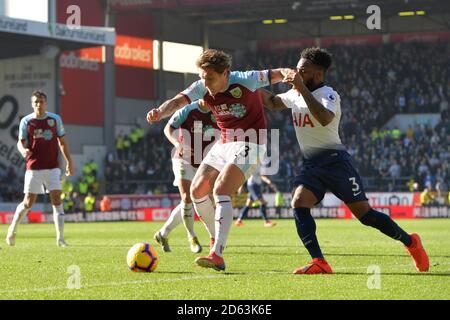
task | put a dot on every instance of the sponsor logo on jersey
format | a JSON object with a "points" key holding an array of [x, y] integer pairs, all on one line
{"points": [[237, 110], [331, 97], [301, 120], [48, 135], [236, 92], [43, 134], [208, 130]]}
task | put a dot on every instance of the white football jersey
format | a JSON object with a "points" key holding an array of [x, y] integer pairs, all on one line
{"points": [[312, 137]]}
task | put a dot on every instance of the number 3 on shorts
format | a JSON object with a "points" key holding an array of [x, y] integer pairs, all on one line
{"points": [[244, 153], [355, 185]]}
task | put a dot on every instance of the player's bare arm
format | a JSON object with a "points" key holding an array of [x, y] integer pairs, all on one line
{"points": [[167, 108], [277, 75], [64, 147], [169, 132], [22, 147], [322, 114], [271, 101]]}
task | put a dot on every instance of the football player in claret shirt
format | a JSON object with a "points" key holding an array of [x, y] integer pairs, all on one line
{"points": [[236, 103], [181, 130], [41, 136], [316, 112]]}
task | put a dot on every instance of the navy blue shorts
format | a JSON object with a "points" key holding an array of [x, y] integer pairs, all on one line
{"points": [[255, 191], [333, 171]]}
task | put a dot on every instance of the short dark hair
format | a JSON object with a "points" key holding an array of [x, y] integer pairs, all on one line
{"points": [[318, 56], [217, 60], [39, 94]]}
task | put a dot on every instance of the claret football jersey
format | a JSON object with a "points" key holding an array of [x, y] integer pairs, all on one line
{"points": [[239, 109], [41, 135]]}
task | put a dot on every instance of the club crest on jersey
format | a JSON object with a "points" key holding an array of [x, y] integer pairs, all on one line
{"points": [[237, 110], [236, 92], [213, 118], [331, 97], [51, 122]]}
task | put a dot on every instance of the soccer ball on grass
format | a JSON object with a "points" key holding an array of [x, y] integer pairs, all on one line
{"points": [[142, 258]]}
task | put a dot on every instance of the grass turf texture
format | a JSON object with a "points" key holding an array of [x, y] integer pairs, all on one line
{"points": [[259, 263]]}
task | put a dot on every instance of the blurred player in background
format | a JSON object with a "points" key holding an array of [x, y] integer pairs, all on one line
{"points": [[254, 184], [316, 112], [195, 118], [237, 106], [40, 135]]}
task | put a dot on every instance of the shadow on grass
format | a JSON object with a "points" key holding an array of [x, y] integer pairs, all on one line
{"points": [[415, 274], [375, 255]]}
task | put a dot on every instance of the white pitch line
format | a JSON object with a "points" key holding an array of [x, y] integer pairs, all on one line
{"points": [[111, 284], [137, 282]]}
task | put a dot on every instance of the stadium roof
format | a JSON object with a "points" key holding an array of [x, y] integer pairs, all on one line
{"points": [[25, 37], [253, 11]]}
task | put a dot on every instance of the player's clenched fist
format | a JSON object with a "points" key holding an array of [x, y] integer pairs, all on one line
{"points": [[26, 153], [153, 115]]}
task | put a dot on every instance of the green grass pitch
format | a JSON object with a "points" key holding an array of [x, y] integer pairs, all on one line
{"points": [[259, 262]]}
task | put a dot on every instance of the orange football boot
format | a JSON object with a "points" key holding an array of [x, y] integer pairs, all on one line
{"points": [[269, 224], [239, 223], [211, 261], [316, 266], [418, 253]]}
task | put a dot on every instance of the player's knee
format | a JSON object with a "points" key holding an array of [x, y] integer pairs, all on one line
{"points": [[300, 202], [27, 204], [185, 197], [220, 189], [196, 190], [56, 202]]}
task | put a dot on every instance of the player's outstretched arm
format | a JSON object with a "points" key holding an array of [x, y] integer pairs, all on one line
{"points": [[277, 75], [167, 108], [64, 147], [271, 101]]}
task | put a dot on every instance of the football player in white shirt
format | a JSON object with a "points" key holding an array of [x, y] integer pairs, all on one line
{"points": [[316, 112]]}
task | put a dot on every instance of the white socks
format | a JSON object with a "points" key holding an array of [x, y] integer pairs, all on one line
{"points": [[174, 220], [21, 212], [58, 219], [205, 210], [224, 219], [188, 218]]}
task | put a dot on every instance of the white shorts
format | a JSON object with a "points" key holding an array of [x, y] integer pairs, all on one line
{"points": [[245, 155], [36, 180], [182, 171]]}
